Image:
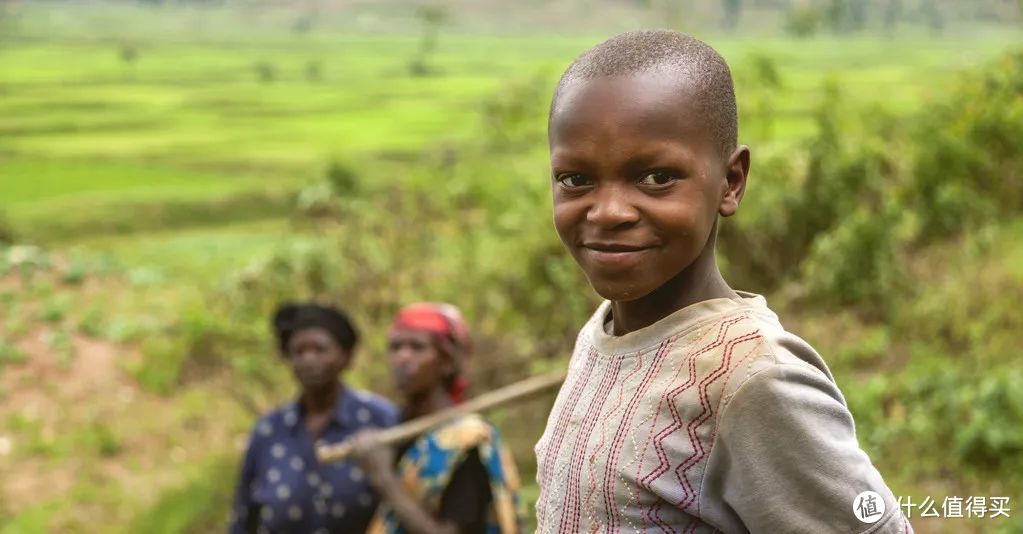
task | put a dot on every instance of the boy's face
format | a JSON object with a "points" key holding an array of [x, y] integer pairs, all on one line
{"points": [[638, 181]]}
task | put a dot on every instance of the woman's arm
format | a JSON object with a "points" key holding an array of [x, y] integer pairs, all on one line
{"points": [[245, 511], [411, 514], [378, 462]]}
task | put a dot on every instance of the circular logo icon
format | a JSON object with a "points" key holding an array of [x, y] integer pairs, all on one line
{"points": [[868, 507]]}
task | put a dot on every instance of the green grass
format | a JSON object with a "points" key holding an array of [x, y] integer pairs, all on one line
{"points": [[89, 134], [204, 105], [189, 254], [34, 183], [201, 504]]}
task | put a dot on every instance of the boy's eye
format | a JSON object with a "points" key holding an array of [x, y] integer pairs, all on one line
{"points": [[657, 178], [573, 180]]}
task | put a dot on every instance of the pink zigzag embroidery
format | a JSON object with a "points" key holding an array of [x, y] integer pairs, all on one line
{"points": [[653, 424], [623, 430], [653, 513], [550, 455], [603, 436], [705, 413], [571, 515]]}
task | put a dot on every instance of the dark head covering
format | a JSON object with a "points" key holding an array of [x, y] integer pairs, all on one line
{"points": [[292, 317]]}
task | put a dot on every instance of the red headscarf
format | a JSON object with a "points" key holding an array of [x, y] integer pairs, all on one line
{"points": [[450, 332]]}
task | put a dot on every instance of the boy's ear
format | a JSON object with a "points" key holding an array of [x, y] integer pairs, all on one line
{"points": [[735, 175]]}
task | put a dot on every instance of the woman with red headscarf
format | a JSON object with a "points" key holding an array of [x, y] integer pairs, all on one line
{"points": [[457, 478]]}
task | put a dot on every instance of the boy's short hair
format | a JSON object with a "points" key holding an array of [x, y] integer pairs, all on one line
{"points": [[669, 52]]}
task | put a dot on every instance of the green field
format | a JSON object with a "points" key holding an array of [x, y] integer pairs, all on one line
{"points": [[175, 176]]}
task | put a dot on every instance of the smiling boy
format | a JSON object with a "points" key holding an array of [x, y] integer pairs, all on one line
{"points": [[688, 407]]}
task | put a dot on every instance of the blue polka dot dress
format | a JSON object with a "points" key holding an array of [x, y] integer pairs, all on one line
{"points": [[282, 487]]}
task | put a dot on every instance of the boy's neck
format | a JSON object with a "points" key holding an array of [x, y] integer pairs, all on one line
{"points": [[699, 282]]}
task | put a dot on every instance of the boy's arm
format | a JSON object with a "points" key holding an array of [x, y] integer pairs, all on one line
{"points": [[786, 459]]}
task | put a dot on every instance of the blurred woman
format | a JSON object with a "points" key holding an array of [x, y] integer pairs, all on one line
{"points": [[457, 478], [282, 487]]}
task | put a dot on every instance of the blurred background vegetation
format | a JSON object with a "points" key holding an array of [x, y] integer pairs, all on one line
{"points": [[169, 170]]}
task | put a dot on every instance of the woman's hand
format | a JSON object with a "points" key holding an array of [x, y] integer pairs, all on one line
{"points": [[375, 458]]}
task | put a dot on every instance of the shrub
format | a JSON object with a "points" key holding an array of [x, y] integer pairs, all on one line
{"points": [[313, 71], [968, 159], [265, 72], [802, 21], [7, 235]]}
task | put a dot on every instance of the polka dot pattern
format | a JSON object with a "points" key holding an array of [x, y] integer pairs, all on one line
{"points": [[356, 474], [288, 490]]}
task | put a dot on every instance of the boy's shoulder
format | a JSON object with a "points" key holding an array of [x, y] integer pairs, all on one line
{"points": [[716, 322], [783, 363], [780, 355], [781, 347], [724, 344]]}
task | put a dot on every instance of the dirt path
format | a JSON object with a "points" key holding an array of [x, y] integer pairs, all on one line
{"points": [[79, 433]]}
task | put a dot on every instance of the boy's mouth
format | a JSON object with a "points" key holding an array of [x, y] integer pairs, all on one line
{"points": [[613, 247], [614, 254]]}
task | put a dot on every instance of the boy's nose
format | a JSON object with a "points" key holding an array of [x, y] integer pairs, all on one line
{"points": [[611, 207]]}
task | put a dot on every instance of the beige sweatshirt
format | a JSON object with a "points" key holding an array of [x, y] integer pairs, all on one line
{"points": [[712, 419]]}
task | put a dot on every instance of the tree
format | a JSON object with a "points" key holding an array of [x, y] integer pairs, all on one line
{"points": [[802, 21], [892, 15], [856, 14], [932, 13], [835, 14], [672, 12], [432, 17], [733, 10]]}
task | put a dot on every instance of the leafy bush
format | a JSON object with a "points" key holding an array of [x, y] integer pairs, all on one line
{"points": [[201, 504], [265, 71], [313, 71], [816, 217], [11, 354], [7, 235], [844, 217], [968, 160], [859, 261], [513, 118], [802, 21], [91, 322]]}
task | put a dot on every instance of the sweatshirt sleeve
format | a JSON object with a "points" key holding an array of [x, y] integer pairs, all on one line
{"points": [[786, 459]]}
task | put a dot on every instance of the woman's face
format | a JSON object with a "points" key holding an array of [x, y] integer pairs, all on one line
{"points": [[418, 365], [316, 358]]}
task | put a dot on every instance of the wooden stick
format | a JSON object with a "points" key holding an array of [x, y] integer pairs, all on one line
{"points": [[487, 401]]}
